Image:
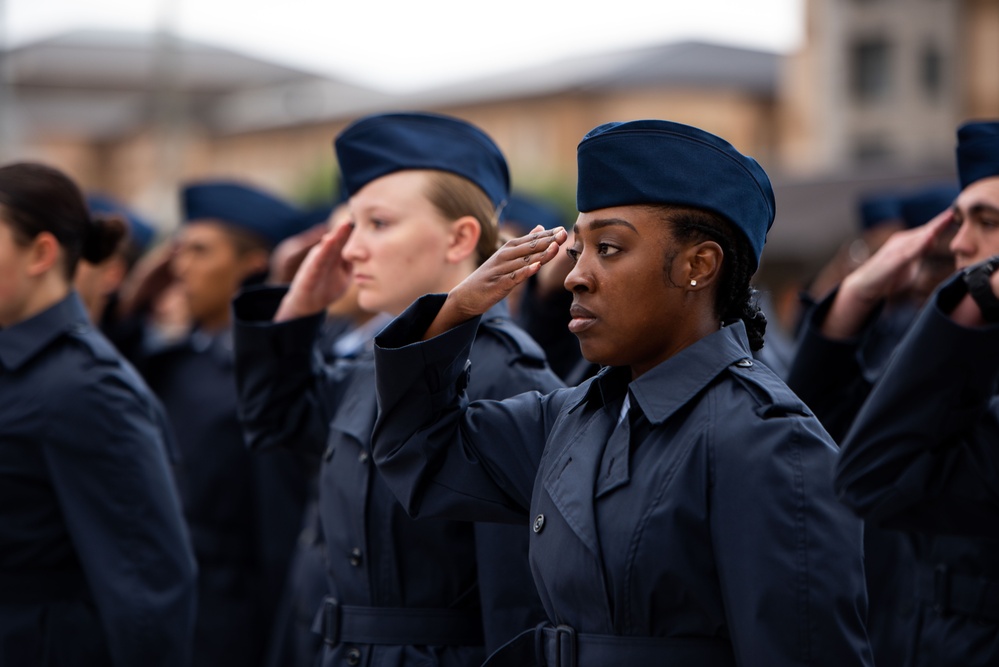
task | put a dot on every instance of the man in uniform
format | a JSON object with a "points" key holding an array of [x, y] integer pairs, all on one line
{"points": [[243, 509], [920, 456]]}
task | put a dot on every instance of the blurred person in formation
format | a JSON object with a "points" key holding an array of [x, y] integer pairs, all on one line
{"points": [[424, 194], [678, 503], [243, 509], [844, 342], [99, 284], [834, 374], [96, 566], [880, 216], [921, 455]]}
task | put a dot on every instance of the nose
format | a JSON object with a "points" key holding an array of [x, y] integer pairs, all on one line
{"points": [[180, 263], [355, 248], [579, 279], [962, 245]]}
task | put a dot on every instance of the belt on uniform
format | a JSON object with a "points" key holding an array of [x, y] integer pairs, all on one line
{"points": [[955, 593], [42, 586], [338, 623], [562, 646]]}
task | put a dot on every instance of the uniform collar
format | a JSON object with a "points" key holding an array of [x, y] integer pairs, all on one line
{"points": [[666, 388], [21, 342], [499, 310]]}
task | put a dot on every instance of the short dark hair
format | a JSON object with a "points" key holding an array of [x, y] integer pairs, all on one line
{"points": [[735, 298], [36, 198]]}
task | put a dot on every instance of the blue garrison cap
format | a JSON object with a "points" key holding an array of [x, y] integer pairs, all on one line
{"points": [[525, 212], [661, 162], [379, 145], [878, 209], [977, 151], [140, 232], [244, 207], [923, 205]]}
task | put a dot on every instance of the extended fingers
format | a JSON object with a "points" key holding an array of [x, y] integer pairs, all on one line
{"points": [[532, 246]]}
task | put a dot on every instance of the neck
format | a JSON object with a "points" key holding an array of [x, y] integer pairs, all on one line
{"points": [[48, 291], [215, 323]]}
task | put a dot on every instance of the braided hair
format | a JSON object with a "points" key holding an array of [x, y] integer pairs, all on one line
{"points": [[736, 299]]}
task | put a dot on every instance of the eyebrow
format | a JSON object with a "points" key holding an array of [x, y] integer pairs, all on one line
{"points": [[978, 209], [610, 222]]}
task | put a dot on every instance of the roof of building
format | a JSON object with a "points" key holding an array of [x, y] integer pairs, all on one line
{"points": [[106, 84]]}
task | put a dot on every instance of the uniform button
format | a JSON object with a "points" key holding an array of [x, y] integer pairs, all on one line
{"points": [[353, 656], [744, 363], [355, 557], [362, 457], [539, 523]]}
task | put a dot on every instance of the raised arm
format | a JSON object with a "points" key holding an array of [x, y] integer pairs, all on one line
{"points": [[923, 452], [285, 393], [441, 455]]}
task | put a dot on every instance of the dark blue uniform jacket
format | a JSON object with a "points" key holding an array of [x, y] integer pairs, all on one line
{"points": [[243, 510], [376, 555], [716, 526], [834, 378], [922, 457], [96, 566]]}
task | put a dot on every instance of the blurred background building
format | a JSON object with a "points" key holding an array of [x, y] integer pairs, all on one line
{"points": [[870, 101]]}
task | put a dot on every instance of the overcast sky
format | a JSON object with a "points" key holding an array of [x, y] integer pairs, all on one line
{"points": [[410, 44]]}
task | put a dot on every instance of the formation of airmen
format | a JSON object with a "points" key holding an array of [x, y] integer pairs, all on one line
{"points": [[436, 425]]}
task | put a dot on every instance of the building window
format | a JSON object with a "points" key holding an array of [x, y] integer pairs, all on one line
{"points": [[931, 71], [870, 69], [871, 149]]}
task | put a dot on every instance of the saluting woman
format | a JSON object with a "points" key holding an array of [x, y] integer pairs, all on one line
{"points": [[425, 191], [96, 565], [679, 503]]}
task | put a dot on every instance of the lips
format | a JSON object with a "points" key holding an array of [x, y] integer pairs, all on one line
{"points": [[582, 319]]}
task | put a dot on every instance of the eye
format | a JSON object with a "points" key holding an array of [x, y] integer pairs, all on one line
{"points": [[378, 223], [573, 254], [607, 250]]}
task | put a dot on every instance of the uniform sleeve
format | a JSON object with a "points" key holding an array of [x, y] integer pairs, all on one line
{"points": [[443, 456], [826, 374], [790, 556], [923, 454], [284, 395], [107, 459]]}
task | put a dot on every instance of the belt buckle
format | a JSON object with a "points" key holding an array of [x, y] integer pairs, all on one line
{"points": [[331, 621], [941, 589], [565, 646]]}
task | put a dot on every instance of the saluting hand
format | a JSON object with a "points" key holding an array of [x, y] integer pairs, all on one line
{"points": [[512, 264], [322, 279], [890, 271]]}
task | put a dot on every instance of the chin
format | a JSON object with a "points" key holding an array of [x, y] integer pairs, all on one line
{"points": [[598, 354]]}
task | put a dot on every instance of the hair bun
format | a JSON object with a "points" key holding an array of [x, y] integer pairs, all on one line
{"points": [[104, 233]]}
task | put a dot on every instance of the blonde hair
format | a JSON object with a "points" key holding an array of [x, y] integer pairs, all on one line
{"points": [[455, 197]]}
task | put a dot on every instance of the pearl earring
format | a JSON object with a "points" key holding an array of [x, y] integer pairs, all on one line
{"points": [[693, 283]]}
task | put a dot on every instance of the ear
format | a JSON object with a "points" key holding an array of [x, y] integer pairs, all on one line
{"points": [[463, 239], [43, 253], [702, 265]]}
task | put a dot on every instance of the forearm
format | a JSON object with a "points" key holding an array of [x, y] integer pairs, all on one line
{"points": [[931, 404], [277, 383], [432, 448]]}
